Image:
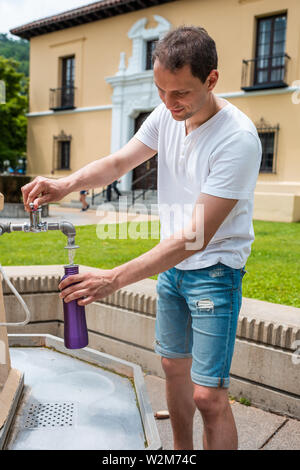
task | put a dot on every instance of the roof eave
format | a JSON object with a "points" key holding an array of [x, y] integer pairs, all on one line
{"points": [[82, 15]]}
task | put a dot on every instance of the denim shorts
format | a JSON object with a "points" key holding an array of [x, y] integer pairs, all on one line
{"points": [[197, 315]]}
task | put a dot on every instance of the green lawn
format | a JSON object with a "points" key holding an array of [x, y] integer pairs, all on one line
{"points": [[273, 268]]}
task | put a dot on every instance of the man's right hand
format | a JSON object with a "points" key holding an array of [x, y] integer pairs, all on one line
{"points": [[93, 175], [43, 190]]}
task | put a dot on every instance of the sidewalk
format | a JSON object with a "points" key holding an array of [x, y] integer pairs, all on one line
{"points": [[90, 217], [257, 429], [77, 217]]}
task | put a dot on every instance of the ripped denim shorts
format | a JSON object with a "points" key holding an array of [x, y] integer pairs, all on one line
{"points": [[197, 315]]}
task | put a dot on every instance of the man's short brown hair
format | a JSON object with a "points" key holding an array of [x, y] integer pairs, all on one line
{"points": [[187, 45]]}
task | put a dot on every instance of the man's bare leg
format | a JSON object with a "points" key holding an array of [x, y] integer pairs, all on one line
{"points": [[219, 426], [179, 393]]}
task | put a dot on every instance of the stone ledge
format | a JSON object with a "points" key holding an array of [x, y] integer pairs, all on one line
{"points": [[266, 374], [270, 333], [32, 284], [263, 322]]}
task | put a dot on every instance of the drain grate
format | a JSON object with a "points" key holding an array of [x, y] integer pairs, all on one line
{"points": [[49, 415]]}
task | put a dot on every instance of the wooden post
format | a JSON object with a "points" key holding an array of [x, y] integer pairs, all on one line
{"points": [[11, 380], [4, 351]]}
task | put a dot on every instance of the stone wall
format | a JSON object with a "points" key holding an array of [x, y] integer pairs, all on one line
{"points": [[265, 367]]}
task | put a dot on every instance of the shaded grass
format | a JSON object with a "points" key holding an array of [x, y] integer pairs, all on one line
{"points": [[273, 268]]}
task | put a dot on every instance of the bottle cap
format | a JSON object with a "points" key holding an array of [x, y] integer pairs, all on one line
{"points": [[71, 269]]}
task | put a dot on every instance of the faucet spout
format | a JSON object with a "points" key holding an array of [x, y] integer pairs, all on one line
{"points": [[67, 229]]}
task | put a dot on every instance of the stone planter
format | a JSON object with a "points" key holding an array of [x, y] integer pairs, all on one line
{"points": [[265, 367]]}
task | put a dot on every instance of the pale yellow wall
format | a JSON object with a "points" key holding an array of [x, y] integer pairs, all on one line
{"points": [[278, 109], [235, 35], [97, 45], [90, 140], [97, 48]]}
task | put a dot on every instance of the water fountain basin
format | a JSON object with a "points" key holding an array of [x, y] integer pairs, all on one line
{"points": [[78, 399]]}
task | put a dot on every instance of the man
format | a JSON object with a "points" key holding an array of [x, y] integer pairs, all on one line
{"points": [[82, 198], [109, 188], [208, 157]]}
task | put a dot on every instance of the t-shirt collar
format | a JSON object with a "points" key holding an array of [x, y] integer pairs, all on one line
{"points": [[207, 123]]}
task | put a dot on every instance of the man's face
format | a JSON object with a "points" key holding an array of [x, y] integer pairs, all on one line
{"points": [[182, 93]]}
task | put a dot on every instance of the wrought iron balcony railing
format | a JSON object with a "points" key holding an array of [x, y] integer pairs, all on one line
{"points": [[150, 178], [62, 98], [265, 72]]}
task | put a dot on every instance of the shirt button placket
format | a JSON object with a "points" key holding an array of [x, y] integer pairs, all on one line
{"points": [[183, 147]]}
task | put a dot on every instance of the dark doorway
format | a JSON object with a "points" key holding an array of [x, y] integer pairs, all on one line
{"points": [[150, 181], [270, 50], [67, 82]]}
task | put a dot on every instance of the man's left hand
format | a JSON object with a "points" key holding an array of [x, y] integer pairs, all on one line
{"points": [[88, 287]]}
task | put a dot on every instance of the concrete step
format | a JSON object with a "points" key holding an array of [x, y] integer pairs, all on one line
{"points": [[149, 196], [147, 206]]}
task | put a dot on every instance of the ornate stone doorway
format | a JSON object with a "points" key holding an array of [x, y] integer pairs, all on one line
{"points": [[134, 92], [141, 170]]}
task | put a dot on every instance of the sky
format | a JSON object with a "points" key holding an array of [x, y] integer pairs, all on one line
{"points": [[18, 12]]}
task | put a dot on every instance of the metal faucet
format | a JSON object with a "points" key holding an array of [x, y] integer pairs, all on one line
{"points": [[36, 225]]}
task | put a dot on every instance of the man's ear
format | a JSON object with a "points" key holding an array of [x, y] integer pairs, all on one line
{"points": [[212, 79]]}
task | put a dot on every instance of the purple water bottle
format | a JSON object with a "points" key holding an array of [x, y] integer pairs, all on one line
{"points": [[75, 329]]}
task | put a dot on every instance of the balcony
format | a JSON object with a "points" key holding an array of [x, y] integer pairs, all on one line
{"points": [[264, 73], [62, 98]]}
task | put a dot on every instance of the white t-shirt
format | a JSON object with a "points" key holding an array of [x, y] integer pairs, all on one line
{"points": [[222, 158]]}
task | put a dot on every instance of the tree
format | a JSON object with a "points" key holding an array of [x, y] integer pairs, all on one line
{"points": [[17, 49], [13, 122]]}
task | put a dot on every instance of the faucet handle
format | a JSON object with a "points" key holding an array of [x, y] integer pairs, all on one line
{"points": [[35, 215], [31, 205]]}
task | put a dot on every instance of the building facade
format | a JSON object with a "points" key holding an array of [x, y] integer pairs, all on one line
{"points": [[91, 84]]}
